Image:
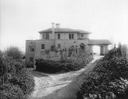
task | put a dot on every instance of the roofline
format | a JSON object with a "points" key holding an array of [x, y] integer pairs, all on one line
{"points": [[66, 32], [49, 30]]}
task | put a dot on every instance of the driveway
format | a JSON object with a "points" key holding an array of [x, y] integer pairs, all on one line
{"points": [[60, 86]]}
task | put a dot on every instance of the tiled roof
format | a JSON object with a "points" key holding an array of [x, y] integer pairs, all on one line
{"points": [[99, 42], [63, 30]]}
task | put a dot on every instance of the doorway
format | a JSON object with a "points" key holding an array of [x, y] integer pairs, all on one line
{"points": [[96, 49]]}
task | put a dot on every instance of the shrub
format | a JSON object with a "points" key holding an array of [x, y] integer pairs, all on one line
{"points": [[14, 73], [29, 64], [14, 52], [8, 91], [50, 66], [107, 80], [76, 61], [25, 81]]}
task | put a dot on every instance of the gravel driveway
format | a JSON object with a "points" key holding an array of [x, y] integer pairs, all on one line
{"points": [[59, 86]]}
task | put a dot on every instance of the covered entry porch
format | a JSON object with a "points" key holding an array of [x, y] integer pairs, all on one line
{"points": [[103, 44]]}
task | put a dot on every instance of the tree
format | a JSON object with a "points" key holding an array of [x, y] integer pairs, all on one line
{"points": [[14, 53]]}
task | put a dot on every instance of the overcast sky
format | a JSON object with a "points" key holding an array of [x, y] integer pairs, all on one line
{"points": [[22, 19]]}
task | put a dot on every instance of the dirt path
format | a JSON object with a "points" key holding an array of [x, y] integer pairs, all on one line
{"points": [[59, 86]]}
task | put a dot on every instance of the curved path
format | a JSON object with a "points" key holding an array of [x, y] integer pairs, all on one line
{"points": [[60, 86]]}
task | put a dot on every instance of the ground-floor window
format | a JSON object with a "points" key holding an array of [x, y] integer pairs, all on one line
{"points": [[59, 45], [42, 46], [31, 59]]}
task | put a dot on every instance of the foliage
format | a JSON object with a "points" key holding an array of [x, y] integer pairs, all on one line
{"points": [[14, 52], [8, 91], [108, 79], [53, 48], [50, 66], [15, 80], [65, 65], [29, 64]]}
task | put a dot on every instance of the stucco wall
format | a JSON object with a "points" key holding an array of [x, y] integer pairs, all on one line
{"points": [[62, 35], [69, 43], [37, 48], [28, 52], [39, 52], [38, 43], [65, 36]]}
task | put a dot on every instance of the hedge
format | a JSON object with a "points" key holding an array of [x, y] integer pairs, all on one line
{"points": [[108, 78], [51, 66]]}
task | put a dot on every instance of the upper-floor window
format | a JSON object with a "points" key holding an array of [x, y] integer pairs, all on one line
{"points": [[71, 36], [58, 36], [82, 35], [46, 36], [42, 46]]}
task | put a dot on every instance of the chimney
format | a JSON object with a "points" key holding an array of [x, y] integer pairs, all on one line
{"points": [[52, 25], [57, 25], [53, 31]]}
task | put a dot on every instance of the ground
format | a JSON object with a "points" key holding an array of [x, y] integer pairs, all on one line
{"points": [[60, 86]]}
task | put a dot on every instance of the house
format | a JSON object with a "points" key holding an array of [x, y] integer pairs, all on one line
{"points": [[62, 38]]}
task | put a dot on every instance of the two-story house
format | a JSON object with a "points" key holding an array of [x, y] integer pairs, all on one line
{"points": [[61, 38]]}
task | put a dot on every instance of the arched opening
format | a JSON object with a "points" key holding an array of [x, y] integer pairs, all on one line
{"points": [[82, 46], [96, 49]]}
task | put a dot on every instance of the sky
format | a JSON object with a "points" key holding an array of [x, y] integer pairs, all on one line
{"points": [[21, 20]]}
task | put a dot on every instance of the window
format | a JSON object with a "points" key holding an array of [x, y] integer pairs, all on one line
{"points": [[82, 35], [47, 36], [59, 45], [58, 36], [71, 36], [42, 46], [31, 59], [31, 48]]}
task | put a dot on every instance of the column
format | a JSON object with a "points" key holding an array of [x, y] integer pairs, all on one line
{"points": [[90, 48], [106, 49], [101, 50]]}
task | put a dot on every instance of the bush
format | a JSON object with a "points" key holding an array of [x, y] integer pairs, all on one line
{"points": [[29, 64], [50, 66], [108, 79], [14, 52], [8, 91], [14, 73], [76, 61], [25, 81]]}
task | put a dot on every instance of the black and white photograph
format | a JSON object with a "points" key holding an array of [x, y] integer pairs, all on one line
{"points": [[63, 49]]}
